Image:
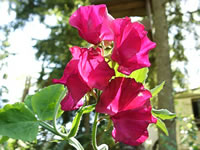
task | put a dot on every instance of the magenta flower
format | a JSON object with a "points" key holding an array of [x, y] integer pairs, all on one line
{"points": [[93, 23], [131, 45], [68, 103], [86, 70], [128, 104]]}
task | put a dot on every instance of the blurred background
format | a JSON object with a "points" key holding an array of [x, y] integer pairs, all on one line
{"points": [[35, 37]]}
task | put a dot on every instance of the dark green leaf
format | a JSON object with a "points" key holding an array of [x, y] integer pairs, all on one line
{"points": [[163, 114], [160, 124], [18, 122], [27, 101], [157, 89], [44, 101], [77, 119]]}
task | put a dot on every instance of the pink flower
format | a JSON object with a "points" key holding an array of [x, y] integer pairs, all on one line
{"points": [[128, 104], [68, 103], [131, 45], [93, 23], [86, 70]]}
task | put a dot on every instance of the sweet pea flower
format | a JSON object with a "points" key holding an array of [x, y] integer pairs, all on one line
{"points": [[128, 104], [131, 45], [93, 23], [86, 70]]}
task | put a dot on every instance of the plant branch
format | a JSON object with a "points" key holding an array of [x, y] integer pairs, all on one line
{"points": [[48, 127], [72, 141], [94, 132]]}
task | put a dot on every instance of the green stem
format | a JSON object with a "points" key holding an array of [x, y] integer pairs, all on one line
{"points": [[56, 113], [94, 132], [72, 141], [54, 129], [48, 127]]}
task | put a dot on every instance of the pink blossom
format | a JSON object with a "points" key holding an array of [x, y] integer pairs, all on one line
{"points": [[131, 45], [86, 70], [93, 23], [68, 103], [128, 104]]}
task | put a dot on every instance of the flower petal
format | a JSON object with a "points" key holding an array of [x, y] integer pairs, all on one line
{"points": [[131, 45], [68, 103], [75, 84], [85, 71], [71, 78], [94, 70], [130, 127], [93, 23], [122, 94]]}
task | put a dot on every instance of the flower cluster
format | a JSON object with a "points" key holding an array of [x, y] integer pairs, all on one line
{"points": [[126, 101]]}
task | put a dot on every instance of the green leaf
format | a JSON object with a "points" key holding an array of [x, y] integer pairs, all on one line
{"points": [[3, 139], [163, 114], [27, 102], [18, 122], [157, 89], [77, 119], [140, 75], [44, 101], [160, 124]]}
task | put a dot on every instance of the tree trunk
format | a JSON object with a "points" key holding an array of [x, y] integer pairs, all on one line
{"points": [[164, 73]]}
